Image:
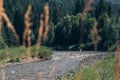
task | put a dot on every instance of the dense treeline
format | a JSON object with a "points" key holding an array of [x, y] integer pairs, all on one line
{"points": [[64, 23]]}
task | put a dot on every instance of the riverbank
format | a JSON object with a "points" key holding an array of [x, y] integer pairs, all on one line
{"points": [[63, 63]]}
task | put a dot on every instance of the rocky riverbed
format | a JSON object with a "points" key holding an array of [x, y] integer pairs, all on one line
{"points": [[61, 63]]}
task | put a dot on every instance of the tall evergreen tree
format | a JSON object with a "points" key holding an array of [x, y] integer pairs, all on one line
{"points": [[79, 6], [103, 28], [102, 7]]}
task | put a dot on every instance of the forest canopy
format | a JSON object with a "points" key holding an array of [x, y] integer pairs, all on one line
{"points": [[64, 23]]}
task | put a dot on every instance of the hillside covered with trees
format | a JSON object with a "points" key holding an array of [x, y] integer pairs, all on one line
{"points": [[64, 24], [115, 1]]}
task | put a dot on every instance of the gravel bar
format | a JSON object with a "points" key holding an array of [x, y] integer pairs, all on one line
{"points": [[62, 61]]}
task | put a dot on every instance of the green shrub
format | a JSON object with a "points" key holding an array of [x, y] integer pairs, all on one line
{"points": [[16, 53], [43, 51]]}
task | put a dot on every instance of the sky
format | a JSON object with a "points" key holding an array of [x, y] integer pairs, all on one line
{"points": [[114, 1]]}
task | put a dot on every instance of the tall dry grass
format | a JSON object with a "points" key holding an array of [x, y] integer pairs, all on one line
{"points": [[77, 77], [52, 72], [1, 18], [41, 76], [40, 34], [43, 29], [26, 34], [46, 9], [9, 24], [86, 9], [94, 35], [3, 73], [4, 16], [1, 13], [29, 46], [117, 63]]}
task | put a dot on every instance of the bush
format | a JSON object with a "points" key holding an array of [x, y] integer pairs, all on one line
{"points": [[17, 53], [43, 51]]}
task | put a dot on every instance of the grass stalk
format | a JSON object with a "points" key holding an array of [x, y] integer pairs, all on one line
{"points": [[94, 35], [52, 73], [9, 24], [83, 17], [40, 33], [41, 76], [3, 73], [46, 9], [27, 27], [117, 63]]}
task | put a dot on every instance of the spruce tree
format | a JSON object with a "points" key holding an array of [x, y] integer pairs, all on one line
{"points": [[103, 28], [79, 6], [102, 7]]}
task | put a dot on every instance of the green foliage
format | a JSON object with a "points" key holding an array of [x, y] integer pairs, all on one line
{"points": [[112, 38], [44, 52], [8, 36], [16, 53], [102, 7], [87, 39], [2, 43], [105, 28], [16, 10], [51, 34], [64, 29], [79, 6], [67, 32]]}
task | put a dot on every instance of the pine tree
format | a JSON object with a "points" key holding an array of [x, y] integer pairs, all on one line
{"points": [[79, 6], [102, 7], [103, 28]]}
